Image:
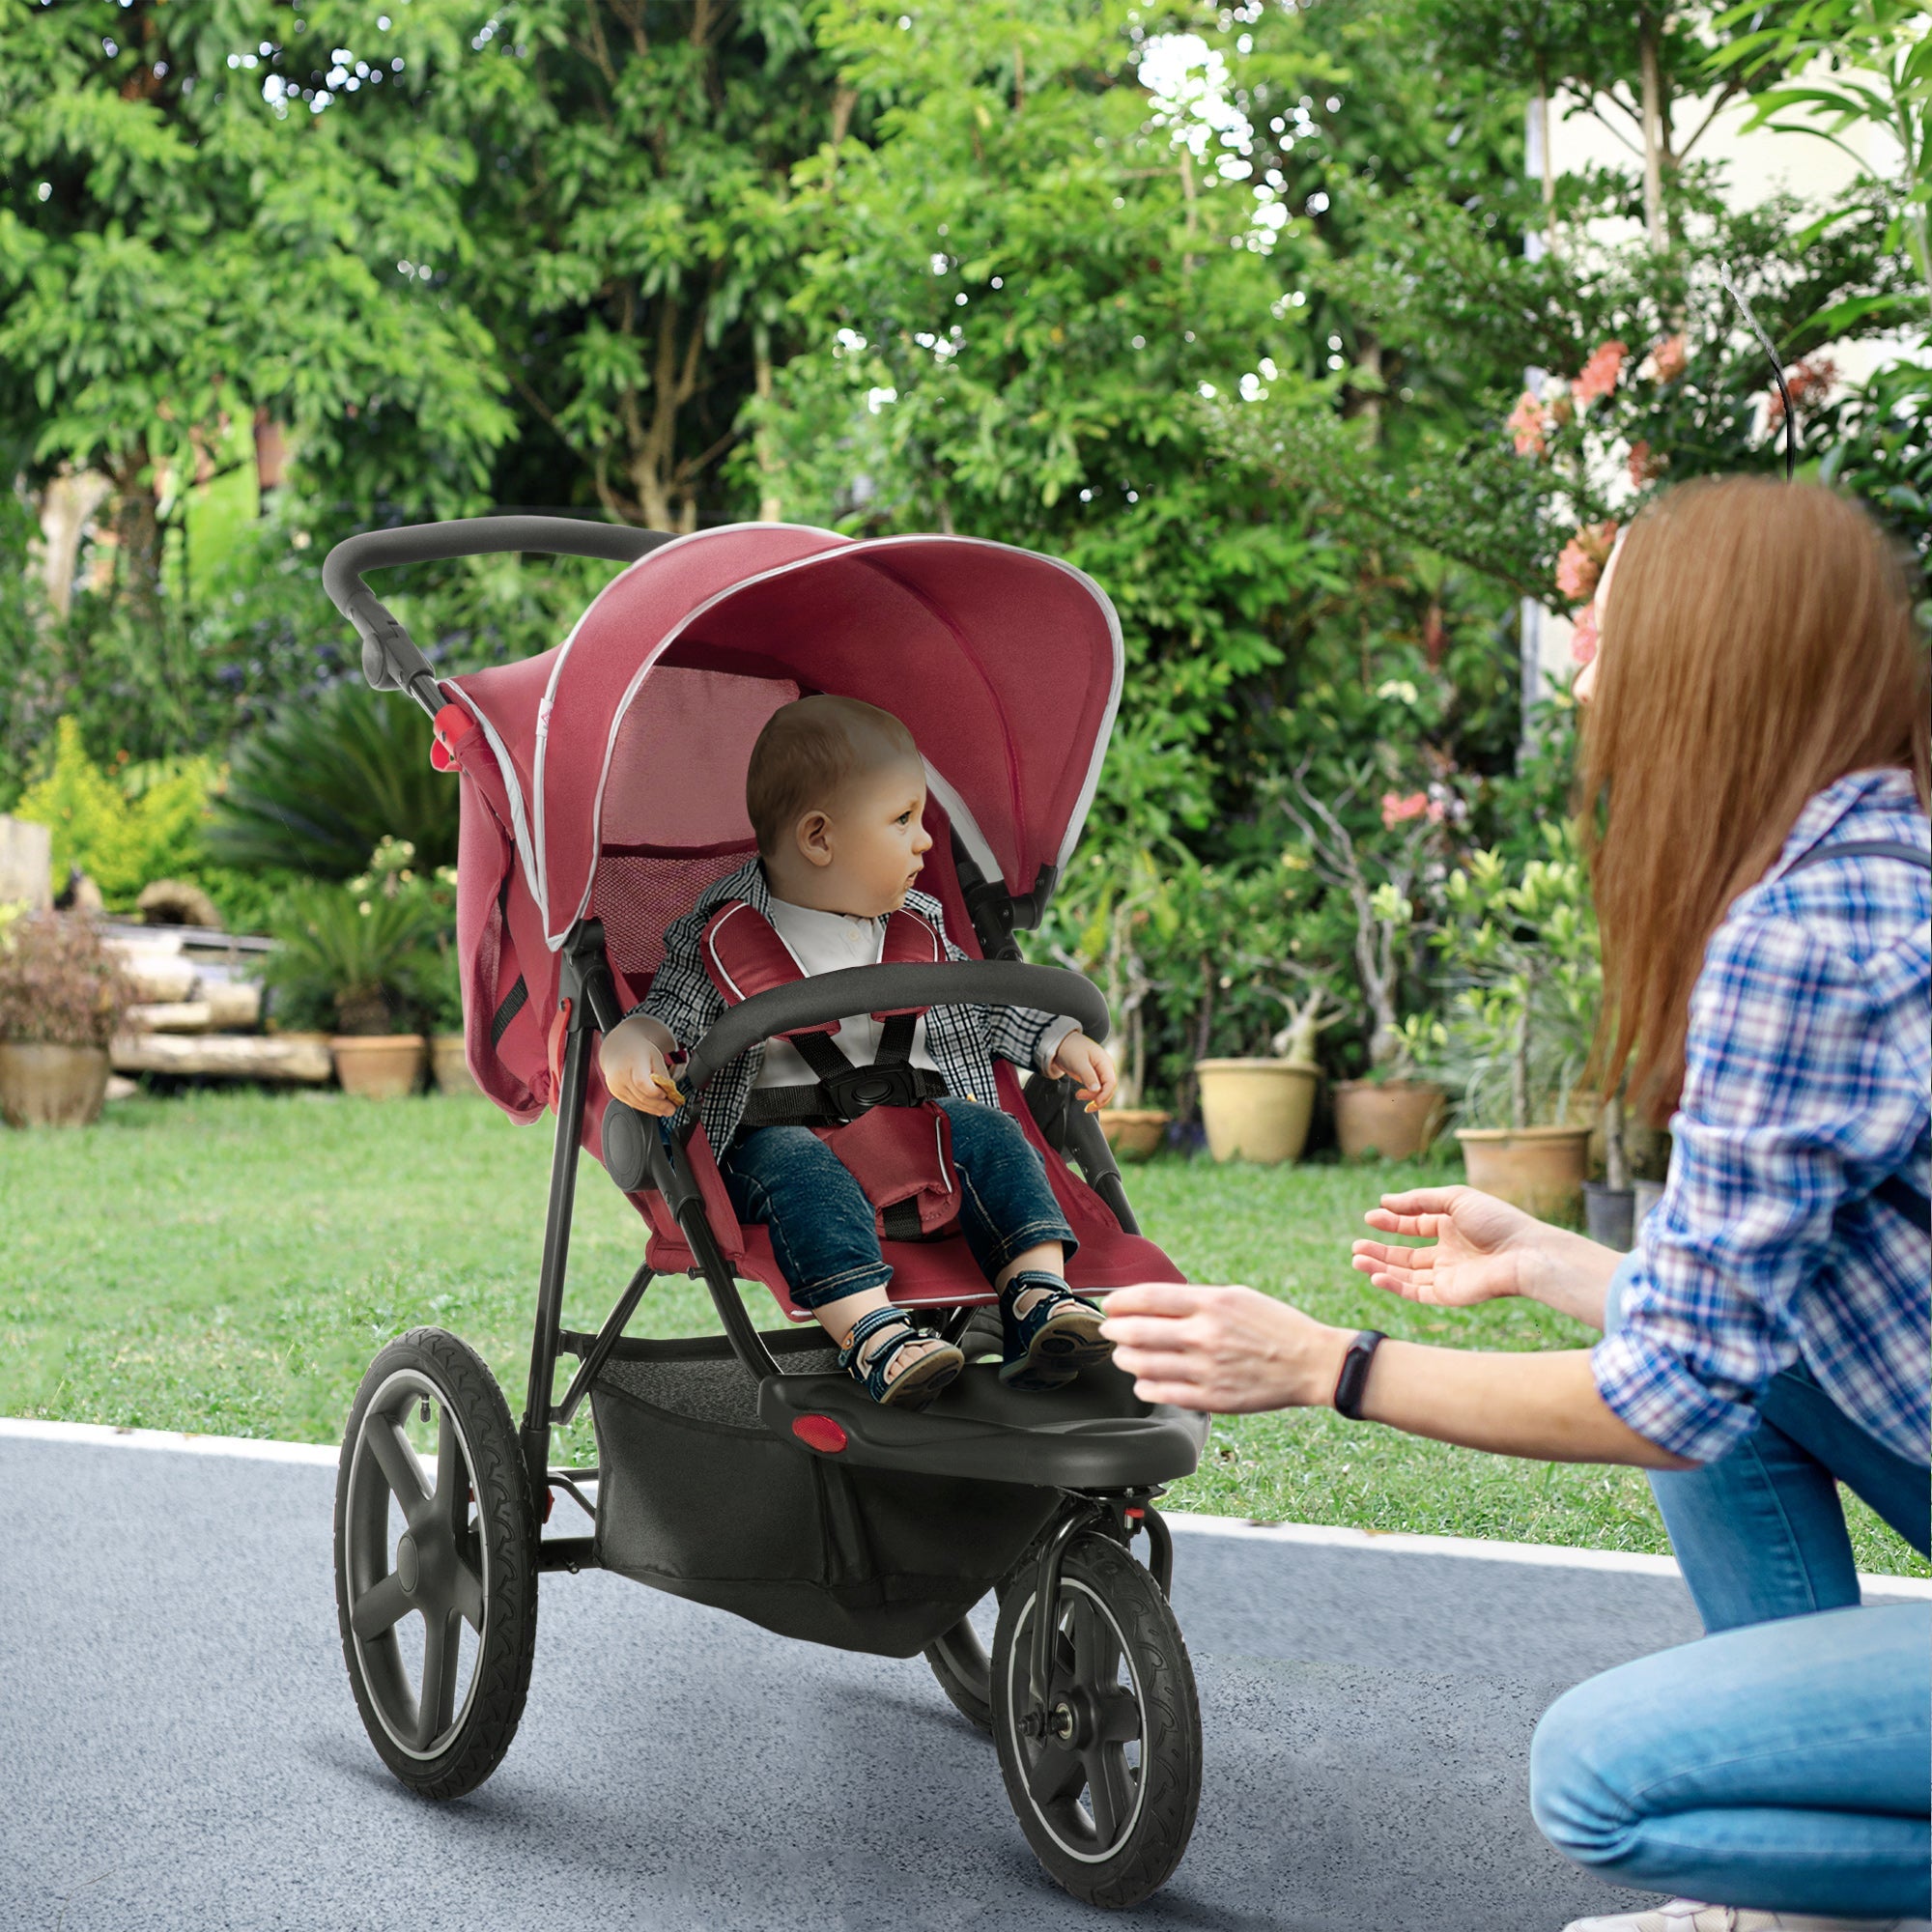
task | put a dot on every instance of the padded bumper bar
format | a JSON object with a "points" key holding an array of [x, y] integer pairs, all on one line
{"points": [[391, 659]]}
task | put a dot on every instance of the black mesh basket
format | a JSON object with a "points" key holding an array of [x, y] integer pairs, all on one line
{"points": [[697, 1497]]}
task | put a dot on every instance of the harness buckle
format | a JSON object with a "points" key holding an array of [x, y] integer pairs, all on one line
{"points": [[852, 1090]]}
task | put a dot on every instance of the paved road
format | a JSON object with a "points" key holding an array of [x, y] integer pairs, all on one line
{"points": [[179, 1752]]}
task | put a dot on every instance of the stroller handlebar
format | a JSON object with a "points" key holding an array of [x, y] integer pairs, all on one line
{"points": [[391, 659], [858, 989]]}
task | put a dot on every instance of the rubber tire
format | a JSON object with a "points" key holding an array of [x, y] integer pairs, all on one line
{"points": [[508, 1522], [966, 1679], [1170, 1718]]}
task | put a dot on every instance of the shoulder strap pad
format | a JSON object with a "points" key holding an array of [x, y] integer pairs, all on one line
{"points": [[910, 941], [743, 957]]}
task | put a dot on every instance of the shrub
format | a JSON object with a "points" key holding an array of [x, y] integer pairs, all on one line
{"points": [[59, 983], [317, 788], [125, 834]]}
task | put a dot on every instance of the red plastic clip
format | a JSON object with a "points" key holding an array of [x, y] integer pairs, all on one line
{"points": [[1134, 1514], [454, 727]]}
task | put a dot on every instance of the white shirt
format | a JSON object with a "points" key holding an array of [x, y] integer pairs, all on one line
{"points": [[828, 942]]}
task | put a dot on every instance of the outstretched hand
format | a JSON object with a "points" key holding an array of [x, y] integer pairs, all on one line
{"points": [[635, 1071], [1088, 1065], [1482, 1249]]}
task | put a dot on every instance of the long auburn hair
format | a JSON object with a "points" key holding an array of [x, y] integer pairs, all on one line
{"points": [[1758, 643]]}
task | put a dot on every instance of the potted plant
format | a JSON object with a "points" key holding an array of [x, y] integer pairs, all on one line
{"points": [[62, 996], [1396, 1111], [1523, 951], [367, 950], [1260, 1109], [1393, 1112]]}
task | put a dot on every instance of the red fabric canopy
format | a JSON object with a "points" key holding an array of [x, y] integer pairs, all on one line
{"points": [[635, 733]]}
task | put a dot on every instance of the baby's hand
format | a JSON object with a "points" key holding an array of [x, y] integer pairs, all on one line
{"points": [[1089, 1066], [634, 1067]]}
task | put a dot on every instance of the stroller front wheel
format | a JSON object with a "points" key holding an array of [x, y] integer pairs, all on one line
{"points": [[436, 1579], [1105, 1774]]}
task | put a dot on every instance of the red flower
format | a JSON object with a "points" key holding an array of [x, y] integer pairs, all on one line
{"points": [[1583, 637], [1398, 810], [1645, 465], [1600, 373], [1526, 425], [1809, 381], [1667, 356], [1582, 560]]}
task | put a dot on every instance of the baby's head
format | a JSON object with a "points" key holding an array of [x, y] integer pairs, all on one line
{"points": [[836, 792]]}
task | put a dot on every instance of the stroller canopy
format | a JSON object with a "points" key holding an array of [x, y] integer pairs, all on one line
{"points": [[633, 735]]}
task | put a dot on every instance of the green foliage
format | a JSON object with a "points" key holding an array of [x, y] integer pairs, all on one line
{"points": [[366, 950], [1518, 945], [319, 786], [59, 983], [123, 836]]}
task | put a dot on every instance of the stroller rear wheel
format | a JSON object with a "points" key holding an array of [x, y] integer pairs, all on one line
{"points": [[436, 1579], [1104, 1774]]}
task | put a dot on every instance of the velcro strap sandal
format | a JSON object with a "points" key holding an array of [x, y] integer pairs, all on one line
{"points": [[1056, 1336], [878, 1340]]}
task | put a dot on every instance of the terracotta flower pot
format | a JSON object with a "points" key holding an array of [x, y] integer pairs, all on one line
{"points": [[1135, 1133], [380, 1066], [1541, 1170], [1257, 1110], [449, 1065], [51, 1086], [1395, 1118]]}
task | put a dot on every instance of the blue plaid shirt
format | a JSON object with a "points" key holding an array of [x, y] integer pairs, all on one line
{"points": [[1806, 1076], [961, 1039]]}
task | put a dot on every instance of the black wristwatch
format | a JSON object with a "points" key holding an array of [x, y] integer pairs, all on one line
{"points": [[1355, 1376]]}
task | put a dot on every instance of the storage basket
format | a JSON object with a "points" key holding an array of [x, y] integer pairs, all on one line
{"points": [[698, 1498]]}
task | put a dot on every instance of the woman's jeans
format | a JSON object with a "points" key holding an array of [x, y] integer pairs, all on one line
{"points": [[1785, 1761], [824, 1233]]}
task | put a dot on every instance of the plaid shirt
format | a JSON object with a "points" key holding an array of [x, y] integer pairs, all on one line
{"points": [[1805, 1085], [963, 1040]]}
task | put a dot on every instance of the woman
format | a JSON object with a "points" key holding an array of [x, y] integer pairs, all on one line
{"points": [[1760, 704]]}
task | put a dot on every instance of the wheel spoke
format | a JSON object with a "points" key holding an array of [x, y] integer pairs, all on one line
{"points": [[1117, 1717], [379, 1608], [452, 1483], [1096, 1656], [398, 1463], [1109, 1788], [1055, 1773], [439, 1679], [465, 1595]]}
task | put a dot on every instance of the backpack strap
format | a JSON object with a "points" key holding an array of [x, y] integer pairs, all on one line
{"points": [[1895, 1190]]}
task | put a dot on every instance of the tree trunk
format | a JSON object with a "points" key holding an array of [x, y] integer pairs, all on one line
{"points": [[138, 535], [769, 505], [1655, 130]]}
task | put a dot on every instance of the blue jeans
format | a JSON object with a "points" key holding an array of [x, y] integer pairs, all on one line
{"points": [[1760, 1533], [1782, 1766], [823, 1230], [1784, 1761]]}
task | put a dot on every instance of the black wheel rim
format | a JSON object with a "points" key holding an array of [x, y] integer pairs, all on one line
{"points": [[417, 1564], [1083, 1770]]}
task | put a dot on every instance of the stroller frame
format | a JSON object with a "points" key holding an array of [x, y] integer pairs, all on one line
{"points": [[640, 1157]]}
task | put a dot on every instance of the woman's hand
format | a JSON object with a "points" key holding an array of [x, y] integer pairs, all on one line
{"points": [[634, 1067], [1088, 1065], [1227, 1349], [1483, 1248]]}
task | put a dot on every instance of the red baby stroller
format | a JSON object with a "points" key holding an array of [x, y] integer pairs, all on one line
{"points": [[602, 792]]}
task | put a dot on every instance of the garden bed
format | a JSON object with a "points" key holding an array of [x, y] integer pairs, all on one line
{"points": [[229, 1262]]}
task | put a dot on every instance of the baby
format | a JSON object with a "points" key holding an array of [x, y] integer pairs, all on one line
{"points": [[835, 792]]}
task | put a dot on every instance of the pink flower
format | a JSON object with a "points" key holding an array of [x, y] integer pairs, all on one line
{"points": [[1667, 356], [1526, 425], [1583, 639], [1582, 560], [1398, 810], [1600, 373], [1645, 465]]}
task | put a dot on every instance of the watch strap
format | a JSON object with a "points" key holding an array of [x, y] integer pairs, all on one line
{"points": [[1353, 1380]]}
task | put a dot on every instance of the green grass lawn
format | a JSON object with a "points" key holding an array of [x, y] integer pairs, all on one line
{"points": [[230, 1262]]}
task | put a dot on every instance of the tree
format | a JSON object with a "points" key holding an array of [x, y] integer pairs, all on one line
{"points": [[187, 244], [633, 236]]}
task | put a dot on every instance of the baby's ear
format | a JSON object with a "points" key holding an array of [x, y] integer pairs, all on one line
{"points": [[812, 835]]}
